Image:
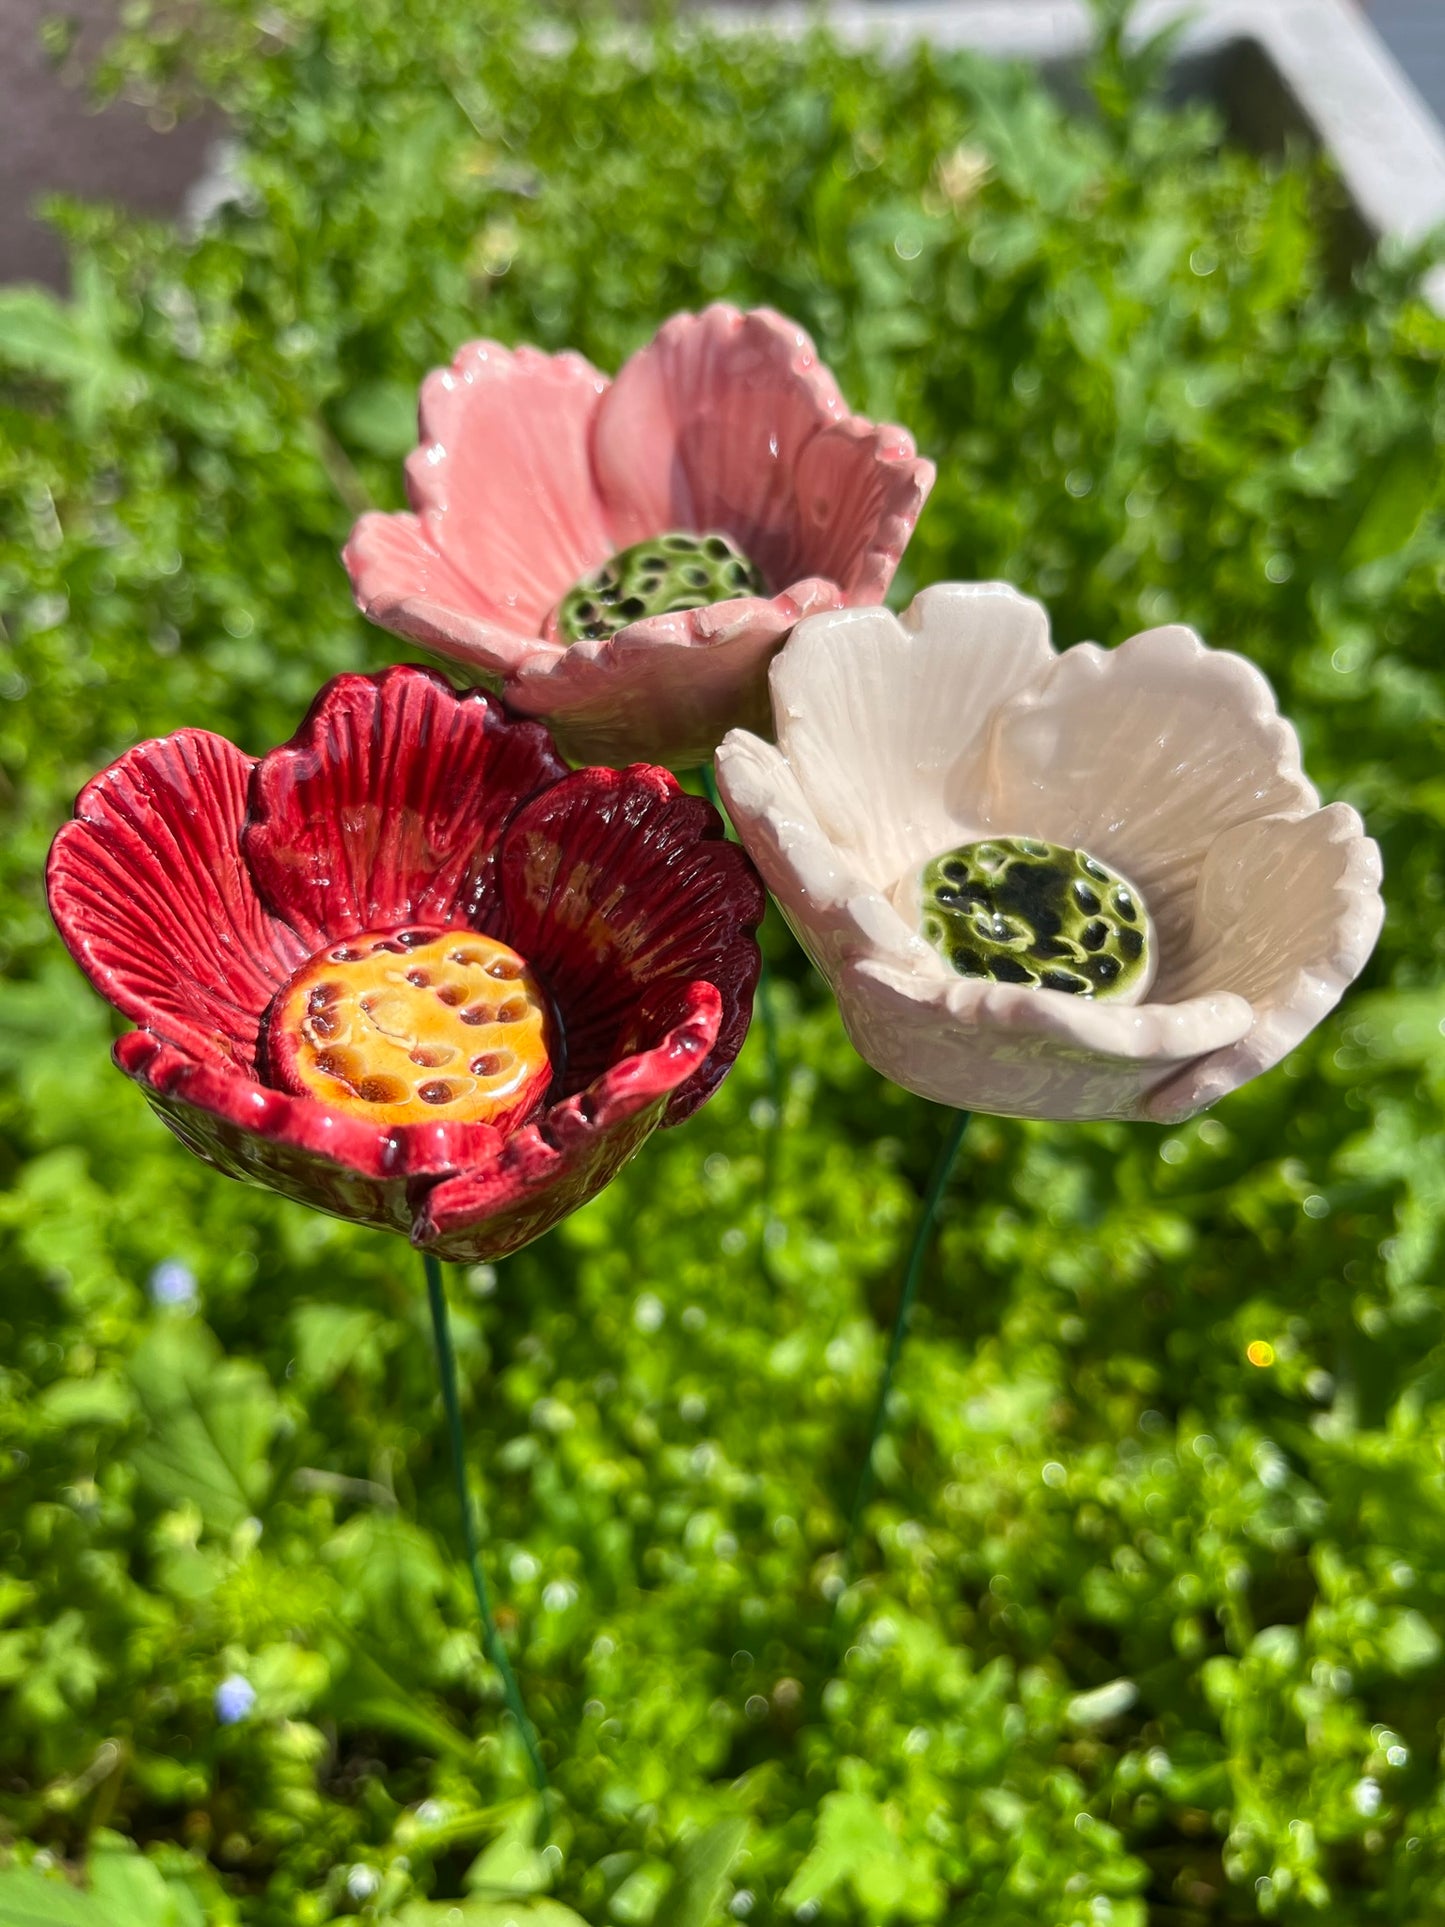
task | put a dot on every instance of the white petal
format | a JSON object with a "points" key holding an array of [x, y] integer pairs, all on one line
{"points": [[832, 910], [1143, 755], [1287, 913], [1026, 1053], [883, 720]]}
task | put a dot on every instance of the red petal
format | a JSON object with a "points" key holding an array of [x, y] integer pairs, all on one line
{"points": [[386, 802], [621, 892], [558, 1163], [149, 891], [294, 1145]]}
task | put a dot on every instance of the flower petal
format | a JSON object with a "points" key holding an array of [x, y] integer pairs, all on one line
{"points": [[384, 805], [618, 889], [405, 584], [328, 1159], [558, 1163], [669, 686], [860, 491], [1143, 755], [703, 429], [149, 891], [833, 912], [1025, 1053], [1287, 912], [883, 720], [502, 481]]}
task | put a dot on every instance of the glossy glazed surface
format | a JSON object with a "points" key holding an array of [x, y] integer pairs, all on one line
{"points": [[1168, 761], [663, 577], [534, 470], [412, 1025], [196, 883], [1014, 910]]}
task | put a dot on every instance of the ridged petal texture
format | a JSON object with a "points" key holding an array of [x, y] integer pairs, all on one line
{"points": [[502, 481], [897, 740], [532, 471], [193, 883], [151, 894], [384, 806], [621, 891]]}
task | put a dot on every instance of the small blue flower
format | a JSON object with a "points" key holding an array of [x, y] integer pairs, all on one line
{"points": [[235, 1697], [172, 1283]]}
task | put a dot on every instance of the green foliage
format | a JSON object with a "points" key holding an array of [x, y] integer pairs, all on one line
{"points": [[1143, 1632]]}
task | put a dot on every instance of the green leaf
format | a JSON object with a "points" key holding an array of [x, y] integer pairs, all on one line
{"points": [[488, 1913], [852, 1839], [1399, 487], [703, 1864], [511, 1864], [71, 1402], [1399, 1027], [329, 1338], [288, 1679], [30, 1899], [1410, 1642], [210, 1421], [38, 335], [379, 417], [126, 1890], [71, 344], [131, 1892], [370, 1695]]}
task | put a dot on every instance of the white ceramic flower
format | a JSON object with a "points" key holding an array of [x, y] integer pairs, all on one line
{"points": [[1094, 884]]}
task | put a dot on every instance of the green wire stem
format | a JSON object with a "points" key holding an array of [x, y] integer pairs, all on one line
{"points": [[922, 1236], [495, 1650]]}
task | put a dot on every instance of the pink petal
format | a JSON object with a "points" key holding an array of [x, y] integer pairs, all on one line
{"points": [[406, 585], [149, 891], [383, 807], [502, 481], [668, 688], [620, 891], [860, 493], [704, 427]]}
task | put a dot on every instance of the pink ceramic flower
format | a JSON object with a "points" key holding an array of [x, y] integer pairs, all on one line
{"points": [[623, 558], [407, 968], [1094, 884]]}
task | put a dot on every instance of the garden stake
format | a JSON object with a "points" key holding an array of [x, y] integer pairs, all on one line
{"points": [[921, 1235], [495, 1650]]}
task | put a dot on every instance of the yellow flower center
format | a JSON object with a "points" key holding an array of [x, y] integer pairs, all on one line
{"points": [[414, 1026]]}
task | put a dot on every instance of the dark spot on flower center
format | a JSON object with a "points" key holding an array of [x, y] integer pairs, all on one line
{"points": [[662, 576], [1016, 910]]}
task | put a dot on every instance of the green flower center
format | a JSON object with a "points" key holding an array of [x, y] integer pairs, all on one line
{"points": [[1016, 910], [656, 578]]}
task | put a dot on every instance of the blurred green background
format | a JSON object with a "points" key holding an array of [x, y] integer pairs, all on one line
{"points": [[1143, 1634]]}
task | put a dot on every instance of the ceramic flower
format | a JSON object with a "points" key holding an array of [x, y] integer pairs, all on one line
{"points": [[623, 558], [407, 968], [1093, 884]]}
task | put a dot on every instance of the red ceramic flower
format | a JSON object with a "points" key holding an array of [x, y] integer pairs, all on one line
{"points": [[407, 968], [623, 558]]}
